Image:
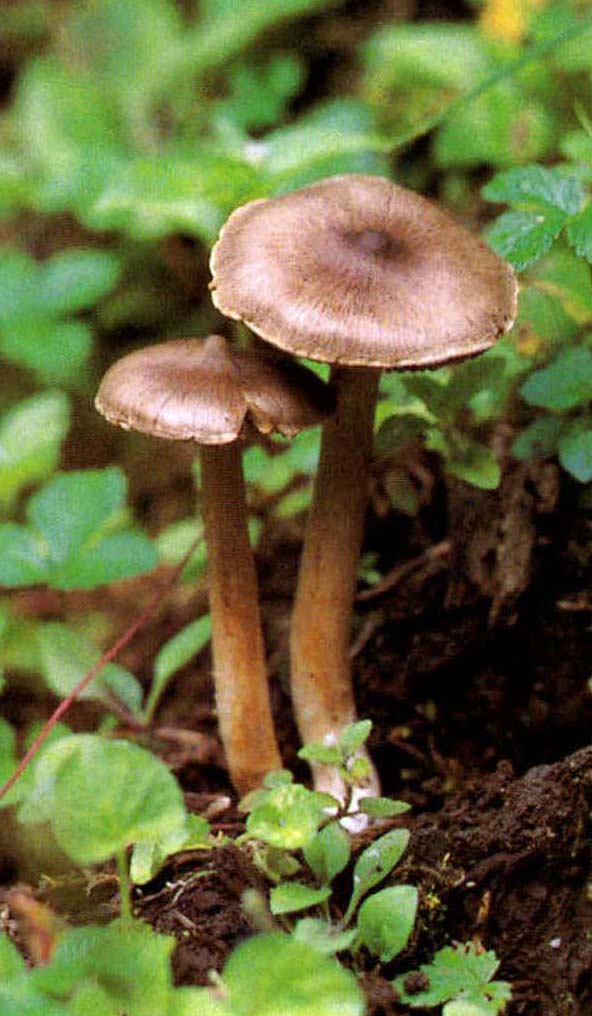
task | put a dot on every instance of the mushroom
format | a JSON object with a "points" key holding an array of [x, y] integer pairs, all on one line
{"points": [[205, 391], [365, 275]]}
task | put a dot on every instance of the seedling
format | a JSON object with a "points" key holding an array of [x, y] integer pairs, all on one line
{"points": [[461, 977]]}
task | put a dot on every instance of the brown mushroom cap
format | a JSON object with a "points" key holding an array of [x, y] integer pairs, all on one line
{"points": [[205, 391], [357, 270]]}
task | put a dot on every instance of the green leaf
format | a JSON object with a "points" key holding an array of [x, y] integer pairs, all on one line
{"points": [[579, 233], [12, 964], [535, 187], [382, 807], [127, 959], [458, 973], [258, 95], [323, 754], [564, 275], [523, 237], [274, 975], [575, 450], [107, 795], [66, 656], [288, 817], [354, 736], [55, 350], [176, 653], [149, 856], [31, 435], [74, 280], [374, 864], [386, 920], [565, 384], [69, 543], [293, 896], [8, 763], [474, 463], [540, 439], [328, 853], [322, 936]]}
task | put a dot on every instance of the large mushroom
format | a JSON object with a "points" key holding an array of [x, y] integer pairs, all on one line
{"points": [[209, 393], [365, 275]]}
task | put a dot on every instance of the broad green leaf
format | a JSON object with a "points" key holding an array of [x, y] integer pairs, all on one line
{"points": [[195, 1002], [523, 237], [37, 799], [148, 856], [579, 233], [274, 975], [108, 795], [328, 853], [127, 959], [288, 817], [19, 281], [386, 920], [354, 736], [258, 94], [540, 439], [173, 544], [565, 384], [56, 350], [22, 557], [293, 896], [575, 450], [19, 998], [69, 543], [66, 656], [534, 187], [90, 1000], [73, 280], [568, 277], [458, 973], [31, 435], [323, 754], [374, 864], [8, 763], [176, 653], [382, 807]]}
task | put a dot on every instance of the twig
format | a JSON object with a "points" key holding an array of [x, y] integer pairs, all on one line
{"points": [[401, 571], [106, 658]]}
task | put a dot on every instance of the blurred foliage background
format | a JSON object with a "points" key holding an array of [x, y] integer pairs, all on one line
{"points": [[129, 129]]}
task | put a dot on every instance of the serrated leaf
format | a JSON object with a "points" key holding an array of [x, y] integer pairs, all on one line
{"points": [[323, 754], [534, 187], [288, 817], [386, 920], [565, 384], [575, 450], [374, 864], [294, 896], [458, 973], [328, 853], [579, 233], [523, 237], [66, 656]]}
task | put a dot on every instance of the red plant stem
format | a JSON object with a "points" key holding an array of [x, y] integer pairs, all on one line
{"points": [[106, 658]]}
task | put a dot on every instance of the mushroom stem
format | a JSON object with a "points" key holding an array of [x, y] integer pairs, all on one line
{"points": [[321, 678], [240, 672]]}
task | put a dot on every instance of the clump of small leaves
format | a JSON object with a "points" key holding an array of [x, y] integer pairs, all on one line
{"points": [[461, 979]]}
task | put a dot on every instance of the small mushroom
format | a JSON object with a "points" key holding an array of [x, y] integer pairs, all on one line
{"points": [[363, 274], [206, 392]]}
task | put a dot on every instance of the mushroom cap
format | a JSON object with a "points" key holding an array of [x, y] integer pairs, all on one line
{"points": [[205, 391], [357, 270]]}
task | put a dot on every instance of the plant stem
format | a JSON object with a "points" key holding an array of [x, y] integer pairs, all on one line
{"points": [[125, 889], [321, 679], [240, 672]]}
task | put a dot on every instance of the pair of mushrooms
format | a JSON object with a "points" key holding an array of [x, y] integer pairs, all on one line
{"points": [[357, 272]]}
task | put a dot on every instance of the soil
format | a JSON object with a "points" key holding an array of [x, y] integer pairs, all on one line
{"points": [[471, 657]]}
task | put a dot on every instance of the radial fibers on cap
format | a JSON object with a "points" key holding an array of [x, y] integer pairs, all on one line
{"points": [[357, 270], [203, 390]]}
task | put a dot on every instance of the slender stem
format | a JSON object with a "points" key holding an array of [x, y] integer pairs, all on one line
{"points": [[125, 899], [322, 689], [240, 672]]}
